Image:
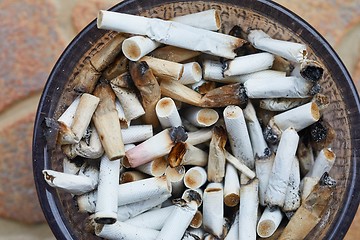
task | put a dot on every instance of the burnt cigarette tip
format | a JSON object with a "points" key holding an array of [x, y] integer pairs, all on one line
{"points": [[105, 220], [178, 134], [312, 73], [270, 136], [326, 180]]}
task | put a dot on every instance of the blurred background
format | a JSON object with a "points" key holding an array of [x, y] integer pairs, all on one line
{"points": [[35, 32]]}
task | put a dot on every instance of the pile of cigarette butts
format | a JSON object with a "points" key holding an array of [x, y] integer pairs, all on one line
{"points": [[180, 131]]}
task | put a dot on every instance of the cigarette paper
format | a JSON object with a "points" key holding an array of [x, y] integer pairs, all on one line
{"points": [[133, 209], [269, 222], [154, 218], [107, 201], [249, 64], [136, 133], [192, 73], [122, 230], [295, 52], [149, 89], [278, 87], [155, 167], [238, 135], [164, 69], [124, 123], [128, 99], [239, 165], [174, 54], [260, 75], [233, 233], [214, 70], [136, 47], [258, 143], [231, 186], [195, 177], [186, 154], [132, 176], [106, 122], [178, 91], [199, 136], [200, 117], [118, 67], [216, 161], [307, 186], [193, 195], [213, 211], [142, 190], [263, 167], [279, 178], [209, 19], [323, 163], [178, 221], [87, 202], [248, 210], [157, 146], [292, 196], [67, 117], [74, 184], [167, 113], [309, 213], [86, 108], [86, 80], [107, 53], [298, 118], [171, 33], [282, 104]]}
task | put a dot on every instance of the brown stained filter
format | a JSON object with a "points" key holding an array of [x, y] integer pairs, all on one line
{"points": [[159, 166], [196, 222], [176, 154], [329, 154], [315, 111], [266, 228], [206, 87], [133, 51], [207, 117], [213, 190], [232, 199]]}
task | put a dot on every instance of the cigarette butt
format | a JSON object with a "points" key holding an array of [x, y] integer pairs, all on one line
{"points": [[86, 108], [231, 186], [155, 167], [295, 52], [192, 73], [248, 210], [153, 219], [238, 134], [107, 53], [201, 117], [186, 154], [178, 91], [176, 177], [233, 233], [298, 118], [177, 223], [308, 184], [231, 94], [195, 177], [323, 163], [279, 178], [149, 89], [269, 222], [136, 133], [199, 136], [87, 202], [143, 190], [86, 80], [292, 195], [122, 230], [310, 70], [208, 19], [174, 54], [322, 134], [213, 211], [167, 113], [107, 203], [216, 161], [282, 104], [164, 69], [67, 117], [107, 124], [249, 64], [75, 184], [137, 47], [263, 167]]}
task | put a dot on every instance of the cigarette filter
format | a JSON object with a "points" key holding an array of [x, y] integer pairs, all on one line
{"points": [[213, 211]]}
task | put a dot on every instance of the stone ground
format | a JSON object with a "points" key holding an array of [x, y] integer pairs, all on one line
{"points": [[35, 32]]}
